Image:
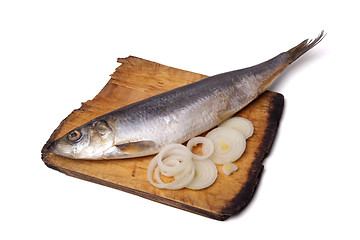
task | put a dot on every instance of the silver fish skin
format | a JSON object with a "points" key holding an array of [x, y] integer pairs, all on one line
{"points": [[144, 127]]}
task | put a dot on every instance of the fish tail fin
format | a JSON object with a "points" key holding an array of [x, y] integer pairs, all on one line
{"points": [[305, 46]]}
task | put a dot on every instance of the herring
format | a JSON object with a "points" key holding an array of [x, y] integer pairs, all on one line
{"points": [[144, 127]]}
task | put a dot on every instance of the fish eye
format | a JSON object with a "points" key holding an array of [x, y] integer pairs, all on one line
{"points": [[74, 135]]}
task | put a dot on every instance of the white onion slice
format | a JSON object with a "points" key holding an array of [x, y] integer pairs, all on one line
{"points": [[175, 161], [177, 152], [181, 180], [207, 147], [170, 161], [229, 144], [150, 173], [229, 168], [205, 174], [241, 124]]}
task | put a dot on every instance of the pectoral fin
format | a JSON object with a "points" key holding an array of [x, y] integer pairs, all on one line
{"points": [[131, 149], [139, 147]]}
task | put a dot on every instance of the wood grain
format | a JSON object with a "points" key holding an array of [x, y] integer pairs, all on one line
{"points": [[136, 79]]}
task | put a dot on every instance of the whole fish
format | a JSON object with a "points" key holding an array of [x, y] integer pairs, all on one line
{"points": [[144, 127]]}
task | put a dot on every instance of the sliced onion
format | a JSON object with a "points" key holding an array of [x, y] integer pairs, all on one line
{"points": [[229, 168], [222, 145], [170, 161], [177, 152], [175, 161], [150, 173], [207, 147], [229, 144], [241, 124], [205, 174], [181, 180]]}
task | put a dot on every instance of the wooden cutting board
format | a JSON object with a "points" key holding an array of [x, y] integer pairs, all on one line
{"points": [[136, 79]]}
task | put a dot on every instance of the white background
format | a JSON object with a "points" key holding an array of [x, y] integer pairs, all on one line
{"points": [[56, 54]]}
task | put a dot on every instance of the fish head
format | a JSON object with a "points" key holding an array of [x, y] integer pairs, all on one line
{"points": [[88, 141]]}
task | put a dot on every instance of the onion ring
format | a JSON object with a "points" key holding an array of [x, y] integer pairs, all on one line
{"points": [[205, 174], [207, 147], [229, 144], [240, 124], [166, 161]]}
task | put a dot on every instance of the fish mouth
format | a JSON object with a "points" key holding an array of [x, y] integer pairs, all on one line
{"points": [[52, 147]]}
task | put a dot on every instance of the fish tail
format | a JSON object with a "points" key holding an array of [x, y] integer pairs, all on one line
{"points": [[305, 46]]}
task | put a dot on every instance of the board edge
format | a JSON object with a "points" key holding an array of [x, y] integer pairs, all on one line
{"points": [[242, 199]]}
